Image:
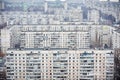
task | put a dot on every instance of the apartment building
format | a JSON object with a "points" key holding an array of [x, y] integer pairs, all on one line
{"points": [[59, 16], [117, 64], [31, 24], [116, 38], [55, 36], [57, 64], [5, 39], [2, 67], [51, 42], [65, 35], [94, 16]]}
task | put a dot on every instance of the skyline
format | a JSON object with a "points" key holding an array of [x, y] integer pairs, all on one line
{"points": [[41, 40]]}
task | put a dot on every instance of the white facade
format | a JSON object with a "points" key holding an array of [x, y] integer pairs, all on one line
{"points": [[94, 16], [114, 0], [60, 64], [116, 39], [48, 46], [61, 36], [5, 39], [46, 6], [60, 15], [55, 36]]}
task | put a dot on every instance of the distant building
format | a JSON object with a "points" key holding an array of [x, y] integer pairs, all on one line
{"points": [[111, 0], [100, 36], [94, 16], [5, 39], [81, 36], [114, 0], [2, 6], [103, 0], [55, 36], [66, 21], [116, 38]]}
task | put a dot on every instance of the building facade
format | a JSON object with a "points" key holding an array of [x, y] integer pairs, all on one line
{"points": [[116, 38], [2, 67], [60, 64], [80, 36], [45, 40], [117, 64]]}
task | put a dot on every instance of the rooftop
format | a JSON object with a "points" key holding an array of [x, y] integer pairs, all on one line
{"points": [[50, 49]]}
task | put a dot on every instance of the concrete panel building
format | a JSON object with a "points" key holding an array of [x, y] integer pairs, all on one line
{"points": [[59, 64]]}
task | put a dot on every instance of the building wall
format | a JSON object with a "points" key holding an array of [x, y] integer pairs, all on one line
{"points": [[60, 64], [62, 36], [2, 6], [5, 40], [117, 64], [59, 16], [116, 39], [2, 67], [51, 36], [94, 16]]}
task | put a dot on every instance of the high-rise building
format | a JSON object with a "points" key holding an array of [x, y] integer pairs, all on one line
{"points": [[5, 39], [55, 36], [114, 0], [49, 40], [2, 6], [2, 67], [59, 64], [117, 64], [111, 0], [94, 16], [46, 6], [116, 38]]}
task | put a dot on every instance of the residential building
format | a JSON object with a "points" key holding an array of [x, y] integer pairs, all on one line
{"points": [[94, 16], [50, 40], [61, 36], [59, 64], [116, 38], [55, 36], [2, 67], [5, 39], [117, 64]]}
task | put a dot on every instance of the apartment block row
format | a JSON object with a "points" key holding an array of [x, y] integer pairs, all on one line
{"points": [[41, 18], [59, 36], [57, 64]]}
